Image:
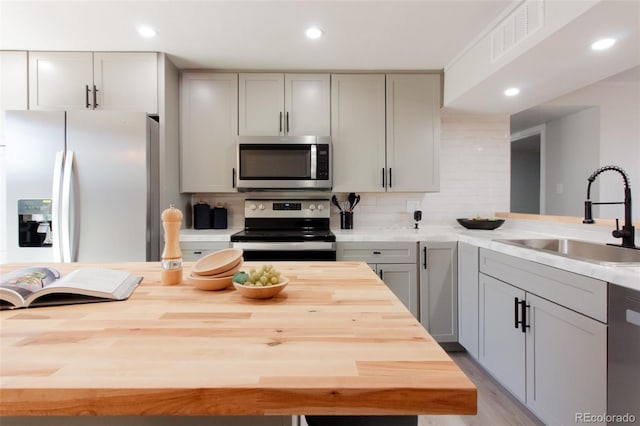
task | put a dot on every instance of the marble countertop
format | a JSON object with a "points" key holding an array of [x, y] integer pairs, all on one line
{"points": [[627, 276]]}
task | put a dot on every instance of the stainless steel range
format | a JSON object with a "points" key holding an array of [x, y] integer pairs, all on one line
{"points": [[286, 229]]}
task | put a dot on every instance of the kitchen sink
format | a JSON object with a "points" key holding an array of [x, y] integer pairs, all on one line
{"points": [[582, 250]]}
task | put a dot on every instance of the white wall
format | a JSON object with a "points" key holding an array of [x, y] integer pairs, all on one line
{"points": [[572, 146], [474, 179], [619, 139]]}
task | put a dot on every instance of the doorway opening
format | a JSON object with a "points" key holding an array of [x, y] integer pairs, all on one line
{"points": [[527, 172]]}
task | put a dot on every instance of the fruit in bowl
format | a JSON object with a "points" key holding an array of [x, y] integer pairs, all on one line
{"points": [[259, 284]]}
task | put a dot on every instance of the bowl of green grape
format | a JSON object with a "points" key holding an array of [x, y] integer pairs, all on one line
{"points": [[261, 283]]}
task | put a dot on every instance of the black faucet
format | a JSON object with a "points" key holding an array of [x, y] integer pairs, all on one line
{"points": [[627, 233]]}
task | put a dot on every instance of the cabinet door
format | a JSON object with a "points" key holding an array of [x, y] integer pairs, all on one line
{"points": [[209, 121], [413, 132], [566, 363], [402, 281], [126, 81], [261, 109], [468, 298], [307, 104], [439, 290], [58, 80], [502, 345], [358, 132]]}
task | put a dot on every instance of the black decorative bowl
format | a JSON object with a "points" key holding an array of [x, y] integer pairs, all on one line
{"points": [[480, 223]]}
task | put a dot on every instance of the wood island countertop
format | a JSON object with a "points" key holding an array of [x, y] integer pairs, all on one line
{"points": [[335, 341]]}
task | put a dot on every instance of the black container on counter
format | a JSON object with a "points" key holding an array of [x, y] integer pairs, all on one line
{"points": [[219, 218], [201, 216]]}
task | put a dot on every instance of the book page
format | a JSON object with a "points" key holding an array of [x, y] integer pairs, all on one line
{"points": [[93, 279], [26, 281]]}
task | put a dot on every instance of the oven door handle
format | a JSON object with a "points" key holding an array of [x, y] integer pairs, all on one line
{"points": [[289, 245]]}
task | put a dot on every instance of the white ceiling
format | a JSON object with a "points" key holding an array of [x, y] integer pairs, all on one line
{"points": [[359, 35], [269, 35]]}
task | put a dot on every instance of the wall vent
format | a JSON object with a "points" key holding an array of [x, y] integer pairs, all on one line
{"points": [[518, 26]]}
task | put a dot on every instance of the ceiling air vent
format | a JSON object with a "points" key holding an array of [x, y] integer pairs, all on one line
{"points": [[520, 24]]}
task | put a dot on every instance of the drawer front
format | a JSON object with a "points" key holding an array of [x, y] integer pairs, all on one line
{"points": [[377, 252], [580, 293], [194, 250]]}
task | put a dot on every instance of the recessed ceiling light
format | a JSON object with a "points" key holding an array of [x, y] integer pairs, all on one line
{"points": [[313, 32], [512, 91], [146, 32], [603, 44]]}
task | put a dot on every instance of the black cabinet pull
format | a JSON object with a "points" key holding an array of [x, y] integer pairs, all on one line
{"points": [[287, 128], [280, 121], [233, 177], [523, 310], [95, 97], [197, 252], [515, 312], [381, 273], [377, 252], [383, 177], [424, 264], [86, 96], [390, 178]]}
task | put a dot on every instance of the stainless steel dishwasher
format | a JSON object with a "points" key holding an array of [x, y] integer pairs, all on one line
{"points": [[623, 387]]}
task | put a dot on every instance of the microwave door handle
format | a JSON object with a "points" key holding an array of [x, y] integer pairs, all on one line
{"points": [[314, 162]]}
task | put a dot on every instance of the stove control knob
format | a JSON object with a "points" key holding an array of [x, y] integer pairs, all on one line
{"points": [[261, 206], [253, 207], [312, 207], [320, 207]]}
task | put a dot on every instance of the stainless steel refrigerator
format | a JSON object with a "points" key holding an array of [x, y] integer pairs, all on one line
{"points": [[82, 186]]}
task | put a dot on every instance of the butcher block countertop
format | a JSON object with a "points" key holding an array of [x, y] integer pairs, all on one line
{"points": [[335, 341]]}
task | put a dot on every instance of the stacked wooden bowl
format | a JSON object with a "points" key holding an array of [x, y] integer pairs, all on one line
{"points": [[215, 271]]}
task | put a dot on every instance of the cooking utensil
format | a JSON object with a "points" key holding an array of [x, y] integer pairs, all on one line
{"points": [[356, 202], [352, 200], [335, 202]]}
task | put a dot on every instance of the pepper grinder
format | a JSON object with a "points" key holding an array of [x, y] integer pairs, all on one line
{"points": [[171, 255]]}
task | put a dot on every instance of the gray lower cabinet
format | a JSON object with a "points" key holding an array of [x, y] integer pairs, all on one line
{"points": [[550, 356], [394, 262], [194, 250], [468, 297], [439, 289]]}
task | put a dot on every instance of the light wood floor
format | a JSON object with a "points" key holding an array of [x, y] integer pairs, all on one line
{"points": [[496, 407]]}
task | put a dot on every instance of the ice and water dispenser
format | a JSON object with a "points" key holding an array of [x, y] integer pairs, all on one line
{"points": [[34, 223]]}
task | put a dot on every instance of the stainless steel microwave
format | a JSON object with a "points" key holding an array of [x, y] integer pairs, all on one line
{"points": [[284, 163]]}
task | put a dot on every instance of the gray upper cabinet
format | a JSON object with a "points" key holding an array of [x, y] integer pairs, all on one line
{"points": [[385, 131], [358, 132], [208, 126], [276, 104], [413, 133], [88, 80]]}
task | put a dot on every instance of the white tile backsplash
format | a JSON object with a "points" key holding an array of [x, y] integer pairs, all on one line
{"points": [[474, 180]]}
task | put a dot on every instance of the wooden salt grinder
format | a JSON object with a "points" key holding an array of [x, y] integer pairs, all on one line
{"points": [[171, 255]]}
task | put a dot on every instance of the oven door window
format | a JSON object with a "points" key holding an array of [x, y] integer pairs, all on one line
{"points": [[272, 161]]}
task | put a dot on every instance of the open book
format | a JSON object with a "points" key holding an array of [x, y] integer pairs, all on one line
{"points": [[43, 286]]}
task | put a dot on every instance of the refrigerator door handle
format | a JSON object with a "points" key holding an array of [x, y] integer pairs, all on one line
{"points": [[55, 206], [65, 208]]}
